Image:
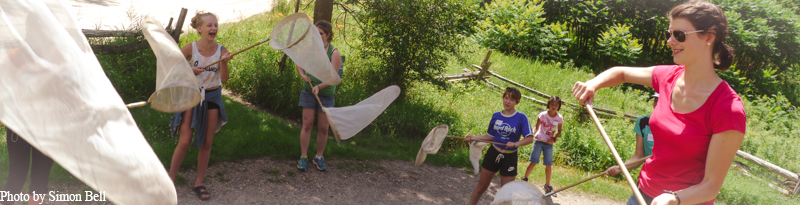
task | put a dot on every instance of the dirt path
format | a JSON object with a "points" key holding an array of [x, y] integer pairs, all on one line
{"points": [[268, 181]]}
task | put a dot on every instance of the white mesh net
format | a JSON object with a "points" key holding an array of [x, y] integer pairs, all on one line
{"points": [[432, 142], [297, 36], [475, 153], [176, 85], [518, 193], [348, 121], [55, 95]]}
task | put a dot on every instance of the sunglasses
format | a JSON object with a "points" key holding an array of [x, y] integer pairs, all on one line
{"points": [[679, 35]]}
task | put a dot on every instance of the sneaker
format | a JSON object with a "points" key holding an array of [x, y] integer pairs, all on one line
{"points": [[548, 189], [320, 162], [525, 179], [303, 163]]}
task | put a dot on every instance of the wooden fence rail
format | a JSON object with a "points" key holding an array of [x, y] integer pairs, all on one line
{"points": [[133, 46]]}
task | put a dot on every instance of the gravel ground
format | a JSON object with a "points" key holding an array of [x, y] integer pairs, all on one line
{"points": [[268, 181]]}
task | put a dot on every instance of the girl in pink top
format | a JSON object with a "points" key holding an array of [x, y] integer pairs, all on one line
{"points": [[699, 121]]}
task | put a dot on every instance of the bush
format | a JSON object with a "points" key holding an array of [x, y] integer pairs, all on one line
{"points": [[132, 74], [617, 45], [412, 39], [517, 26], [766, 37]]}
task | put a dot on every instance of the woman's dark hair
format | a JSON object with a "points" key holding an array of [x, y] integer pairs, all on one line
{"points": [[555, 99], [327, 28], [707, 16]]}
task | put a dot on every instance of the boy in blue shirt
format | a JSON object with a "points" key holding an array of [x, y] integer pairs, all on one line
{"points": [[506, 126]]}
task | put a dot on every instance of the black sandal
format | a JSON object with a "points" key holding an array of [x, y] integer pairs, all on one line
{"points": [[201, 193]]}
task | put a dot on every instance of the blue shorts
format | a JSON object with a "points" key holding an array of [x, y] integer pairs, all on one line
{"points": [[542, 147], [307, 100]]}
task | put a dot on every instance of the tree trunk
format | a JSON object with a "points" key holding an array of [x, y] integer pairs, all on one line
{"points": [[323, 10]]}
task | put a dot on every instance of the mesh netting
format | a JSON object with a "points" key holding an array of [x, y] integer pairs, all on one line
{"points": [[475, 153], [297, 36], [348, 121], [56, 96], [176, 84], [431, 143], [518, 193]]}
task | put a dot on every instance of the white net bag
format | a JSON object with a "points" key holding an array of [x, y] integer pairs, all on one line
{"points": [[432, 142], [518, 193], [475, 153], [346, 122], [55, 95], [297, 36], [176, 84]]}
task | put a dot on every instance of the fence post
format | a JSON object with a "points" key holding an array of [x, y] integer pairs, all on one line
{"points": [[485, 64], [176, 34]]}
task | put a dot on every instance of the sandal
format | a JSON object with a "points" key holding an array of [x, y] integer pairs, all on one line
{"points": [[197, 190]]}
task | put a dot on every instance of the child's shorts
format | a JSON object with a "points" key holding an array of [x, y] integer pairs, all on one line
{"points": [[495, 161], [542, 147]]}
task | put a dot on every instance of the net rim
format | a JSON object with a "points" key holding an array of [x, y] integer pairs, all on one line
{"points": [[285, 21], [192, 103]]}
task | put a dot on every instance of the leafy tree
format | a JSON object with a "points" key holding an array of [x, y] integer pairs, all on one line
{"points": [[412, 39]]}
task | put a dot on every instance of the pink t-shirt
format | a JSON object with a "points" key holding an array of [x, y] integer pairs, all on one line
{"points": [[549, 125], [679, 157]]}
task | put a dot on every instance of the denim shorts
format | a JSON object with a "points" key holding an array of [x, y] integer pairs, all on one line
{"points": [[540, 147], [307, 100]]}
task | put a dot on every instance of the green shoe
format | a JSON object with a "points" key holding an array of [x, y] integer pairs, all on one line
{"points": [[303, 163], [320, 163]]}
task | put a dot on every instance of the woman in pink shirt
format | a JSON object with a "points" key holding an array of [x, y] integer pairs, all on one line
{"points": [[699, 121]]}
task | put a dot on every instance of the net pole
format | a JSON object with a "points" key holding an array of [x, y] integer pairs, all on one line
{"points": [[616, 155]]}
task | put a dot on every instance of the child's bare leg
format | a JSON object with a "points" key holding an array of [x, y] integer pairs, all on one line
{"points": [[506, 179], [548, 170], [322, 132], [305, 132], [530, 168], [184, 141], [205, 151], [483, 184]]}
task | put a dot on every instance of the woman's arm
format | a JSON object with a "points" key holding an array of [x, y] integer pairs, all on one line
{"points": [[336, 60], [638, 154], [302, 74], [187, 53], [720, 155], [223, 66], [612, 77]]}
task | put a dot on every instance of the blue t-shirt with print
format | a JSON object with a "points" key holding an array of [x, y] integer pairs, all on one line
{"points": [[509, 128], [645, 133]]}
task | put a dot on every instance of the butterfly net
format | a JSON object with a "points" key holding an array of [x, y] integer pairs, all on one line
{"points": [[518, 193], [348, 121], [297, 36], [176, 84], [55, 95]]}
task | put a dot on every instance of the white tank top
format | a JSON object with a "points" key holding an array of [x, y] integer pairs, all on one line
{"points": [[210, 78]]}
